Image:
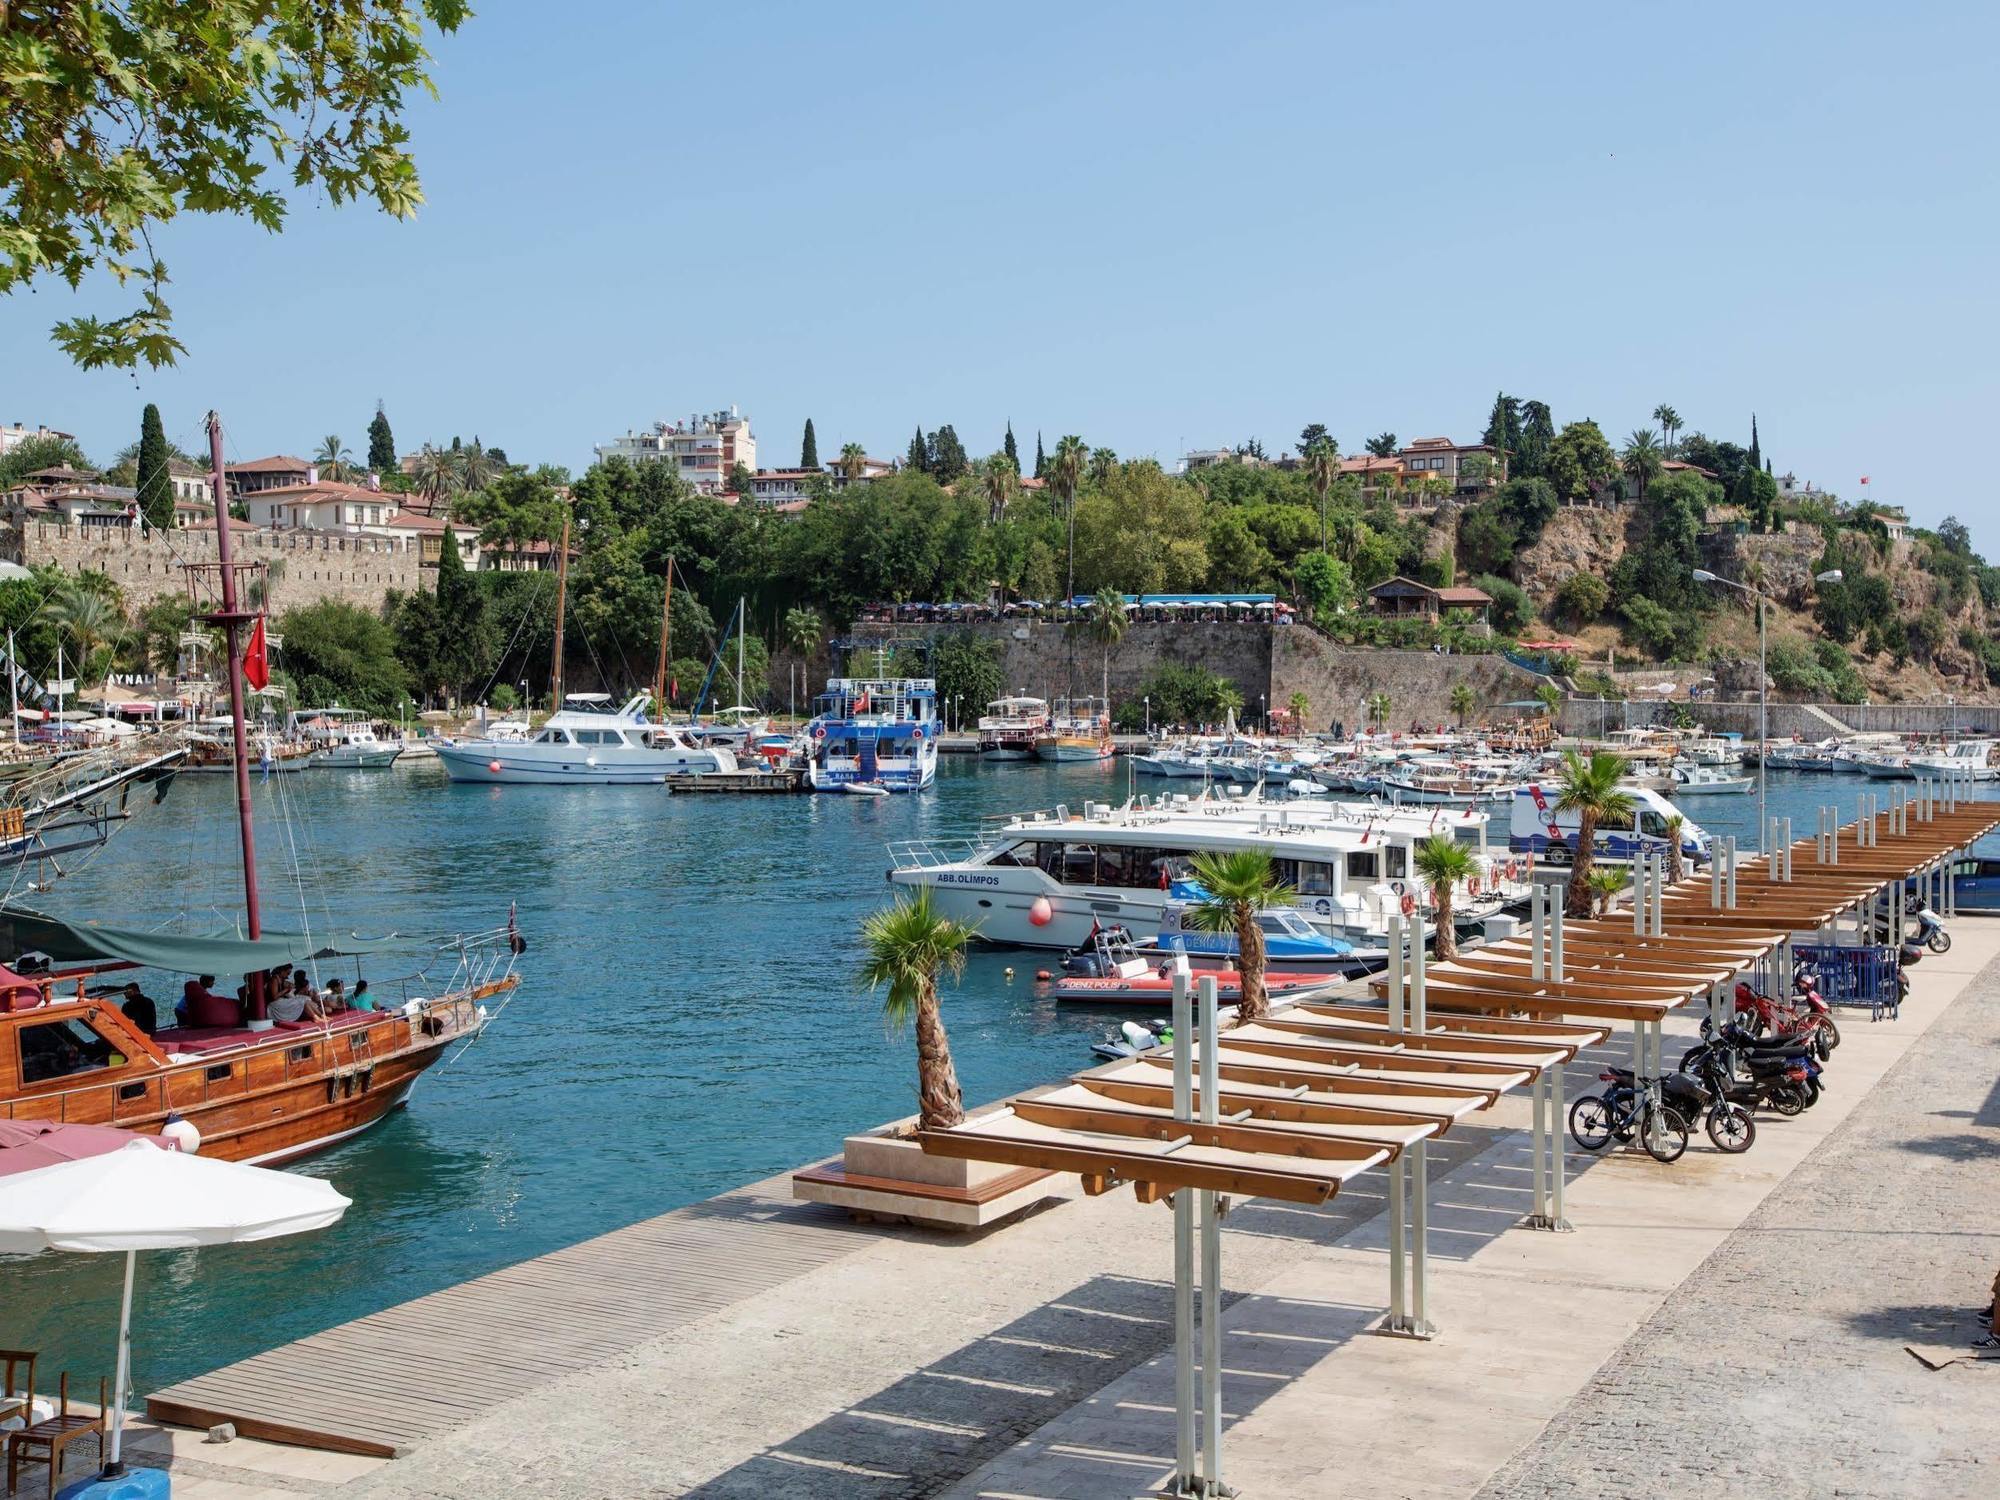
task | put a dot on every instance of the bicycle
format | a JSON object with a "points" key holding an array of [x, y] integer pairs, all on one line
{"points": [[1621, 1112]]}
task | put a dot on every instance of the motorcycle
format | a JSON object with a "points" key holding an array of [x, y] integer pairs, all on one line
{"points": [[1758, 1074], [1931, 931]]}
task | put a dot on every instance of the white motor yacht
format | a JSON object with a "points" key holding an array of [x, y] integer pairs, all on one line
{"points": [[586, 743], [343, 739]]}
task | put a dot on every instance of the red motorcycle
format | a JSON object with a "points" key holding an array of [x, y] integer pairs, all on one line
{"points": [[1808, 1018]]}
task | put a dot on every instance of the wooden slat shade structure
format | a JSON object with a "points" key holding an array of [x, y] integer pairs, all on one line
{"points": [[1311, 1098]]}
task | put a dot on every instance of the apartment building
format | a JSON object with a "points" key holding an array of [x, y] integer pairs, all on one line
{"points": [[703, 449], [15, 434]]}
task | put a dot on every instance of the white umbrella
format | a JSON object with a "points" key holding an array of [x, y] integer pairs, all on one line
{"points": [[142, 1198]]}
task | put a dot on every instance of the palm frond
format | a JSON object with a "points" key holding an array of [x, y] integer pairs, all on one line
{"points": [[908, 946]]}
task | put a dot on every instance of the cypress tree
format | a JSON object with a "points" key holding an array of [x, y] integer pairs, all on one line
{"points": [[381, 443], [1756, 453], [1013, 453], [155, 484], [919, 457], [809, 448], [1041, 462], [451, 573]]}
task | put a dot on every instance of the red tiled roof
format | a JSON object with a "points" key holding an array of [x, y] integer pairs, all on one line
{"points": [[1464, 596], [409, 520], [277, 463], [326, 489]]}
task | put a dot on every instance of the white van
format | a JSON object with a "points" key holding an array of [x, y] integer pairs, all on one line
{"points": [[1538, 829]]}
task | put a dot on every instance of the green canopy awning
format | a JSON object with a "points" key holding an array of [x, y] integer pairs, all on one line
{"points": [[23, 931]]}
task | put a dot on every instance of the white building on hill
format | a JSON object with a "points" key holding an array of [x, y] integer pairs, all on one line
{"points": [[703, 449]]}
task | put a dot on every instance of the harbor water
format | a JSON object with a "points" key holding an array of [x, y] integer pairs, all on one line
{"points": [[688, 1021]]}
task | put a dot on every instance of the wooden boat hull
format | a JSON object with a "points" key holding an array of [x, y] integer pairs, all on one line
{"points": [[273, 1100]]}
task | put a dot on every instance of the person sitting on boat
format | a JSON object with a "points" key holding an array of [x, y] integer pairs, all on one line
{"points": [[361, 999], [139, 1009], [290, 1004], [331, 1003], [203, 1007]]}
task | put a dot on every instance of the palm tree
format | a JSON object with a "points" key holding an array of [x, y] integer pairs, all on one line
{"points": [[335, 460], [1240, 883], [908, 945], [1642, 460], [1300, 705], [437, 475], [1462, 702], [1442, 862], [90, 618], [1670, 423], [1347, 535], [803, 628], [1000, 482], [1673, 826], [1378, 708], [1107, 627], [476, 467], [1593, 790], [853, 461], [1604, 885], [1065, 472], [1551, 698], [1322, 465]]}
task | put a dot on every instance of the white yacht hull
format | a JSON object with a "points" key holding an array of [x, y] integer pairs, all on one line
{"points": [[512, 763], [357, 757]]}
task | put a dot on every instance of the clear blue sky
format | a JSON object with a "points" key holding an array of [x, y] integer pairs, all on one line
{"points": [[1156, 225]]}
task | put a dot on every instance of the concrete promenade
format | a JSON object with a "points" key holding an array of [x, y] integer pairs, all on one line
{"points": [[1767, 1295]]}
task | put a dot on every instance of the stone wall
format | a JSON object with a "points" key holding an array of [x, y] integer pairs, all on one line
{"points": [[1266, 662], [306, 567], [1808, 721]]}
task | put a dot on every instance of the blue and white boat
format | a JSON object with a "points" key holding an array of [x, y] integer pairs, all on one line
{"points": [[1292, 945], [870, 732]]}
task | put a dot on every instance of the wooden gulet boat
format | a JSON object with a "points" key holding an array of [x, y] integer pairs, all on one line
{"points": [[262, 1090]]}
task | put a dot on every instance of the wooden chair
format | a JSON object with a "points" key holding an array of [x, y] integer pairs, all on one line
{"points": [[17, 1400], [44, 1442]]}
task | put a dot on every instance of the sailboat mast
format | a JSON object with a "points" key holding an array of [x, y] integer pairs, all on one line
{"points": [[741, 695], [666, 636], [232, 620], [562, 596]]}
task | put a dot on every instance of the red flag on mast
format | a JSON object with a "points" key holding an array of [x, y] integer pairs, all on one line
{"points": [[257, 658]]}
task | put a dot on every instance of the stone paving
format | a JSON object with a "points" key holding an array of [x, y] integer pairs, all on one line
{"points": [[1710, 1324], [1779, 1369]]}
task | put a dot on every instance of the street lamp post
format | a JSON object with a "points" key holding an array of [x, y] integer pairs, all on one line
{"points": [[1702, 575], [1147, 700]]}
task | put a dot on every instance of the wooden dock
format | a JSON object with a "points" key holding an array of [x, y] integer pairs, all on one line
{"points": [[385, 1382], [779, 782]]}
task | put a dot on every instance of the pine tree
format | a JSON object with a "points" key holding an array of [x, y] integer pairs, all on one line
{"points": [[809, 448], [155, 484], [381, 443], [1013, 453], [948, 457], [1041, 460], [919, 457]]}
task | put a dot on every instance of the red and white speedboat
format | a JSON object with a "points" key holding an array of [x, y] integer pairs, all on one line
{"points": [[1115, 972]]}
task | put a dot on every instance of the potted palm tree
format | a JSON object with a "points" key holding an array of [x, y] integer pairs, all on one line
{"points": [[1240, 883], [1591, 788], [1604, 886], [1442, 862], [884, 1173]]}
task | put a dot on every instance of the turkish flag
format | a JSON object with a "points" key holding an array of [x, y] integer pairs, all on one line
{"points": [[257, 658], [1864, 478]]}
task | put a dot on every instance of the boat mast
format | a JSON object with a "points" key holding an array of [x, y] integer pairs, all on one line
{"points": [[741, 695], [562, 595], [232, 621], [666, 635]]}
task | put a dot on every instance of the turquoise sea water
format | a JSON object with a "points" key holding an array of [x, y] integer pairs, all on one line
{"points": [[688, 1020]]}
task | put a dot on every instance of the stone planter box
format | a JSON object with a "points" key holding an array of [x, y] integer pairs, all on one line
{"points": [[883, 1174]]}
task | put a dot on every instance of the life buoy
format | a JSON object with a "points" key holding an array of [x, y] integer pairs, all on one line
{"points": [[819, 731], [917, 733], [1397, 886], [1472, 885], [1409, 904]]}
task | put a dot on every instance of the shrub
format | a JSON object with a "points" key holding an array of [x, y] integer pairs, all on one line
{"points": [[1582, 598], [1511, 606], [1649, 625]]}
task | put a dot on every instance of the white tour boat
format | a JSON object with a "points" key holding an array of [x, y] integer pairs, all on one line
{"points": [[1008, 728], [586, 743], [343, 739]]}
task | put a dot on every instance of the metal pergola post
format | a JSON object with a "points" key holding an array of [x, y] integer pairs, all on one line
{"points": [[1211, 1268], [1185, 1479]]}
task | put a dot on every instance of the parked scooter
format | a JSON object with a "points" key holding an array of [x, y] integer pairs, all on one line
{"points": [[1783, 1076], [1931, 931]]}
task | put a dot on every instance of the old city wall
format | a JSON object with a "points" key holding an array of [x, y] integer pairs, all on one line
{"points": [[1266, 662], [1808, 721], [305, 567]]}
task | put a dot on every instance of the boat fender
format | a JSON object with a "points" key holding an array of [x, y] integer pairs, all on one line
{"points": [[1409, 904], [1136, 1036], [1040, 913], [1009, 972], [493, 766], [1043, 976], [181, 1134]]}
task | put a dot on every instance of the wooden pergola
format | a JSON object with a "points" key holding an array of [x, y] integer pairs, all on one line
{"points": [[1294, 1105]]}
